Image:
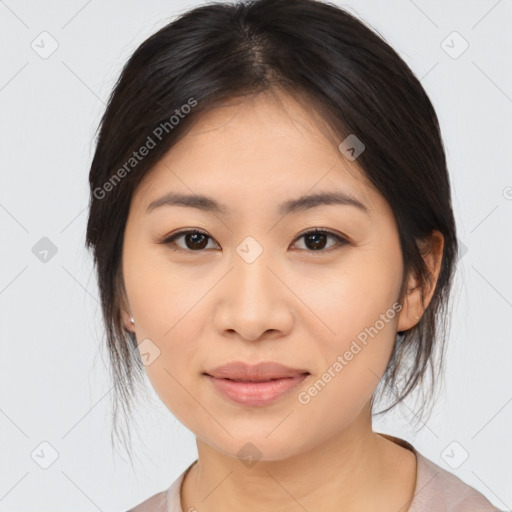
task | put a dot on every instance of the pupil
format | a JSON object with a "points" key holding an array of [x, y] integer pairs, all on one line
{"points": [[316, 241], [196, 240]]}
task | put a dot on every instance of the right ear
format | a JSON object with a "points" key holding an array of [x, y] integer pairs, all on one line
{"points": [[123, 302], [126, 322]]}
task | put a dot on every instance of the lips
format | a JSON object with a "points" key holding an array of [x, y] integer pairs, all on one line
{"points": [[255, 385], [261, 372]]}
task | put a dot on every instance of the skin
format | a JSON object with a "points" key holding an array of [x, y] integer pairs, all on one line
{"points": [[292, 305]]}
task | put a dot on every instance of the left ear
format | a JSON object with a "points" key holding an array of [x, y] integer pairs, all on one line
{"points": [[431, 250]]}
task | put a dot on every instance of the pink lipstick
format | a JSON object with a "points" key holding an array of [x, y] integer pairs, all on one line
{"points": [[255, 385]]}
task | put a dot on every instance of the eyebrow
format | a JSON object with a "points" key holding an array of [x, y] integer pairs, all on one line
{"points": [[303, 203]]}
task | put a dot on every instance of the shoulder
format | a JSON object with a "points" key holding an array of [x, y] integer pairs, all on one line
{"points": [[167, 500], [156, 503], [438, 489]]}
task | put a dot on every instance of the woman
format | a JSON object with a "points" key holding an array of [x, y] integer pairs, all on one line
{"points": [[272, 229]]}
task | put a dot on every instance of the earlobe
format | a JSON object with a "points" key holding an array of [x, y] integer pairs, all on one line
{"points": [[128, 322], [411, 310], [412, 307]]}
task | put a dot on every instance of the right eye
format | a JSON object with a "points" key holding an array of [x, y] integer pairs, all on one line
{"points": [[194, 240]]}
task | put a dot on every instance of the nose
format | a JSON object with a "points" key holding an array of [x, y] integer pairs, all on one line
{"points": [[253, 300]]}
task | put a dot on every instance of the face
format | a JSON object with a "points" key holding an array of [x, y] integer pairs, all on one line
{"points": [[252, 282]]}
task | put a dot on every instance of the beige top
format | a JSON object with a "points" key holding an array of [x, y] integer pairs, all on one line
{"points": [[436, 490]]}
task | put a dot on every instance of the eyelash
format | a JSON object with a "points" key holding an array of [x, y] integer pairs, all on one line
{"points": [[341, 241]]}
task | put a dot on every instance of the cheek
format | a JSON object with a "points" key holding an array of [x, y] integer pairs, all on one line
{"points": [[174, 373], [162, 294], [356, 316], [172, 313], [352, 354], [169, 306], [350, 299]]}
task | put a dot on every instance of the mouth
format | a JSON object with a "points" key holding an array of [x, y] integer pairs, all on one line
{"points": [[256, 385]]}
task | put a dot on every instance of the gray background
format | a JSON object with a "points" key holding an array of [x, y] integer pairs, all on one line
{"points": [[54, 377]]}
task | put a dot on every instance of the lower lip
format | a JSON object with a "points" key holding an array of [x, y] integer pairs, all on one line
{"points": [[255, 394]]}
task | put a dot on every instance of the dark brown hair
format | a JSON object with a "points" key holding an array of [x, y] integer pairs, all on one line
{"points": [[332, 62]]}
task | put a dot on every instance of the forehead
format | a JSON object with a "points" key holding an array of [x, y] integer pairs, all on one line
{"points": [[258, 149]]}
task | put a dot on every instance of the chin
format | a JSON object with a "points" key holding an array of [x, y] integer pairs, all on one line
{"points": [[256, 444]]}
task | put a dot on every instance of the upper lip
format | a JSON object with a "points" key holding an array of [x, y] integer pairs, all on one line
{"points": [[264, 371]]}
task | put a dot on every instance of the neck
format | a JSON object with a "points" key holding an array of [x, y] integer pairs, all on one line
{"points": [[356, 468]]}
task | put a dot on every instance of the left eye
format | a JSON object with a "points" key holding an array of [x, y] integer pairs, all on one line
{"points": [[316, 239], [195, 240]]}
